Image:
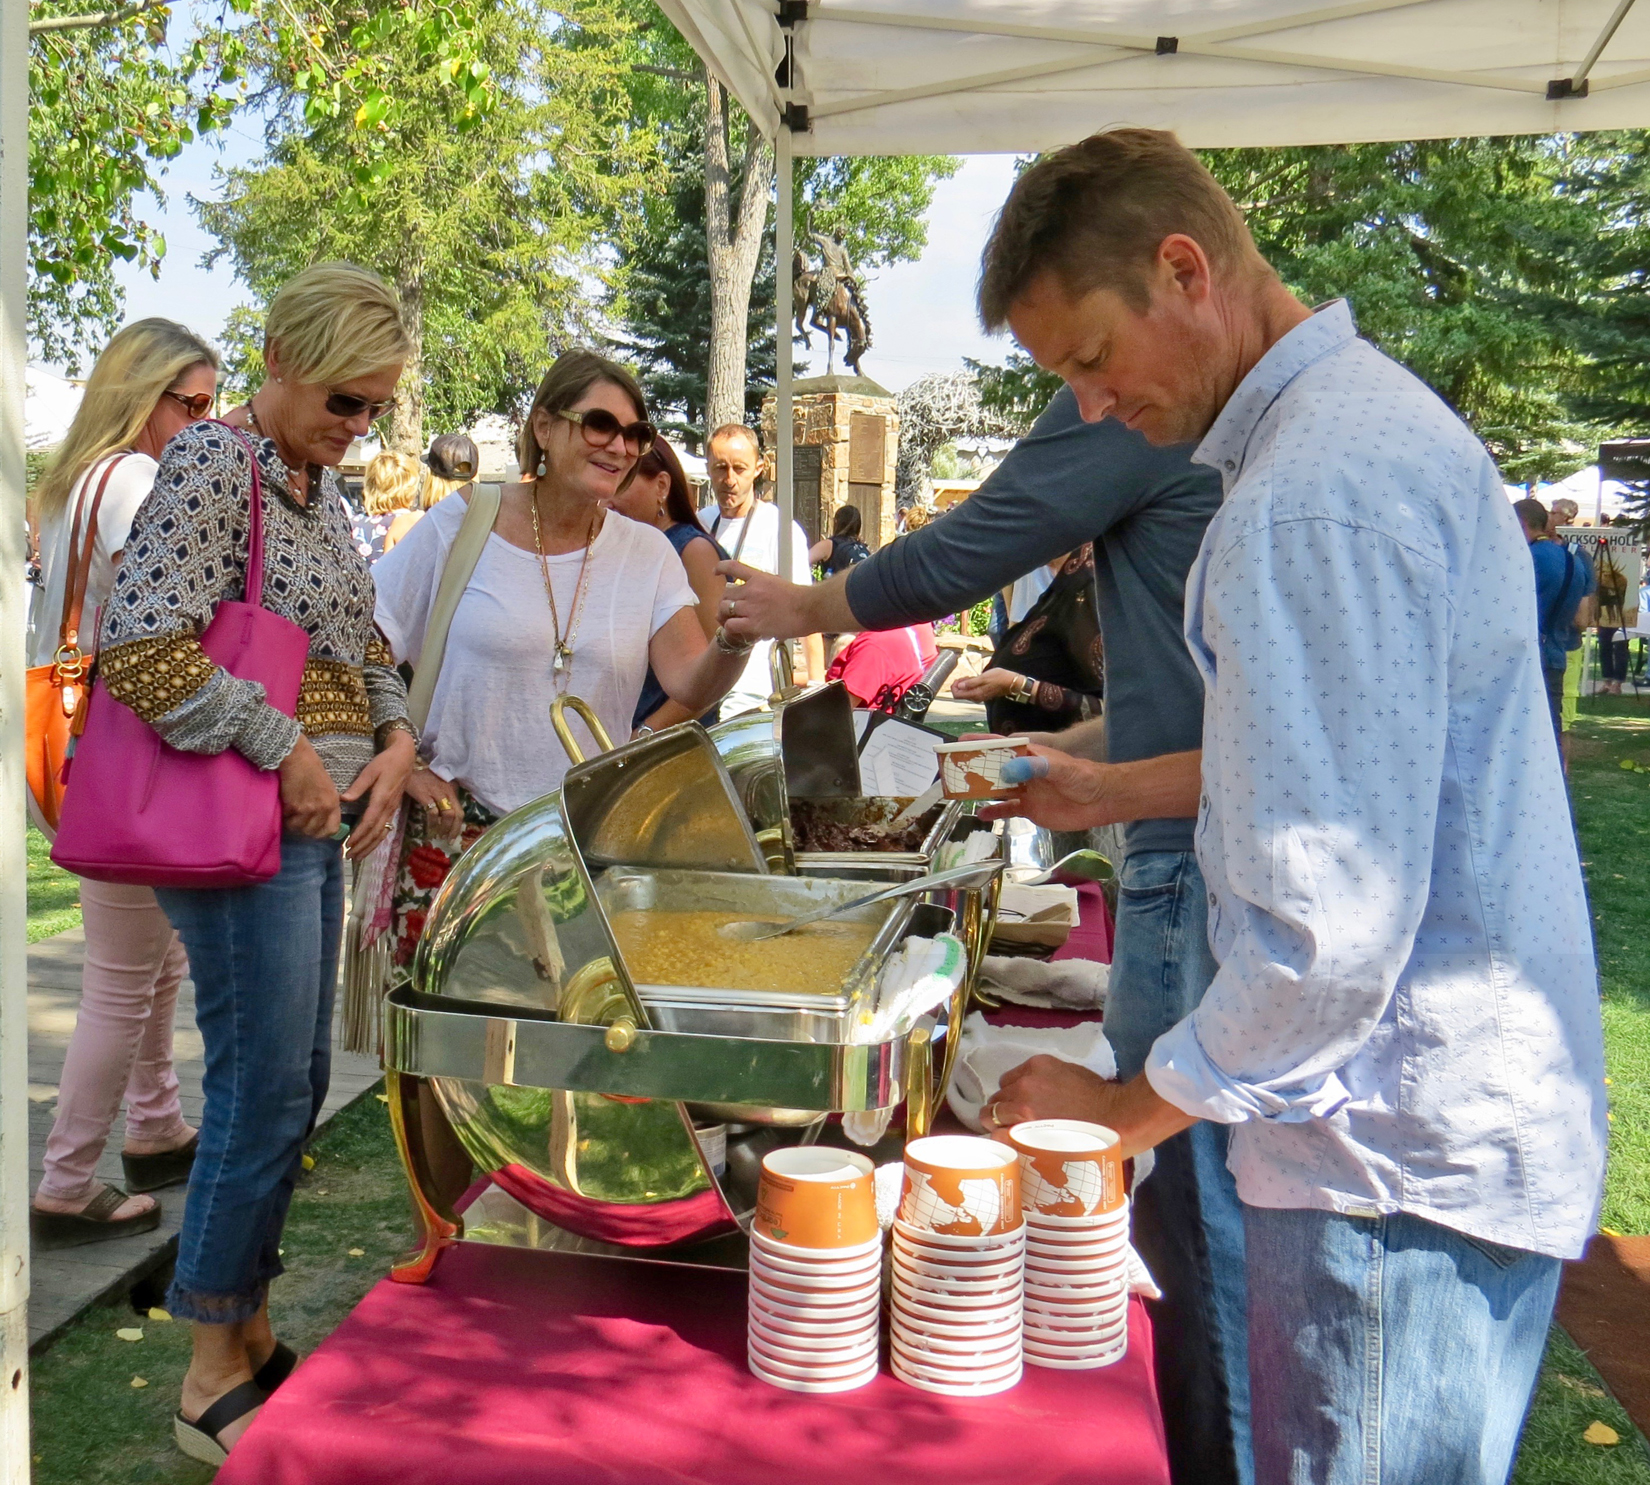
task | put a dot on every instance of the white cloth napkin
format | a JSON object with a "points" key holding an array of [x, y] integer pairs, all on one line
{"points": [[987, 1052], [1057, 984]]}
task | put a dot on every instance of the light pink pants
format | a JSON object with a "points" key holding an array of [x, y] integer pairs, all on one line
{"points": [[122, 1040]]}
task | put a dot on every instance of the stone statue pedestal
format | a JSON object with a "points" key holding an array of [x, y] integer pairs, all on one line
{"points": [[845, 436]]}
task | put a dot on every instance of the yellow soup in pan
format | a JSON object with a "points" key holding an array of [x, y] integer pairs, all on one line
{"points": [[688, 948]]}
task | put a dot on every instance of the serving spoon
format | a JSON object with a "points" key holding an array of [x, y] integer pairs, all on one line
{"points": [[1086, 866], [974, 874]]}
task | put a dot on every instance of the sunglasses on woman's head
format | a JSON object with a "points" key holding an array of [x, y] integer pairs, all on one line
{"points": [[600, 425], [348, 405], [196, 404]]}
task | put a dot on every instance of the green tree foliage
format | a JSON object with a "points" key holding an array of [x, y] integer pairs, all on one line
{"points": [[109, 104], [661, 286], [479, 184], [666, 299], [1510, 274]]}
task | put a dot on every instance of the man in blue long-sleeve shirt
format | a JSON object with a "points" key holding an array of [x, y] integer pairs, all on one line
{"points": [[1145, 509], [1562, 579]]}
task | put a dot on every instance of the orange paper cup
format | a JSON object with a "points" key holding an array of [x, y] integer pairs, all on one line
{"points": [[811, 1196], [1069, 1168], [960, 1185]]}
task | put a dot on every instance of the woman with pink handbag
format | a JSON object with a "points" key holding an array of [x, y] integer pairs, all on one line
{"points": [[247, 530], [151, 381]]}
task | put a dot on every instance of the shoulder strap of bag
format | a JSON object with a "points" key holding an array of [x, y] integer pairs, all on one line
{"points": [[462, 557], [255, 523], [80, 558], [1557, 605]]}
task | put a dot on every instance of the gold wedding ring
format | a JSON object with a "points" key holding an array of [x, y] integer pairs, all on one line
{"points": [[443, 803]]}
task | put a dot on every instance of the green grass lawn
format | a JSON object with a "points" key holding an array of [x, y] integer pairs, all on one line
{"points": [[92, 1426], [1612, 808], [54, 895]]}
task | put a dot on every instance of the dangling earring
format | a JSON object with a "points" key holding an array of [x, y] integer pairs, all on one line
{"points": [[541, 471]]}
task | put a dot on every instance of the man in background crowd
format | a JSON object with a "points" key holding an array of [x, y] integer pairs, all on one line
{"points": [[749, 529], [1562, 580]]}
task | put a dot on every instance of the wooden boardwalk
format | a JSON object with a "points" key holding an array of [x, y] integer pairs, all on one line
{"points": [[68, 1281]]}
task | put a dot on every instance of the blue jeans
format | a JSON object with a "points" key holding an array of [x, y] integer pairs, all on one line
{"points": [[1188, 1223], [265, 961], [1389, 1350]]}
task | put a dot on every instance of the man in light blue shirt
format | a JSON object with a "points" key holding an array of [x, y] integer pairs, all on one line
{"points": [[1403, 1034]]}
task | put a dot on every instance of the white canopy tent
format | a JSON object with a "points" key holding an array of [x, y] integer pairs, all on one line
{"points": [[823, 77], [891, 77]]}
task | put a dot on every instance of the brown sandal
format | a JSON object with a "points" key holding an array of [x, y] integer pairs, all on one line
{"points": [[93, 1223]]}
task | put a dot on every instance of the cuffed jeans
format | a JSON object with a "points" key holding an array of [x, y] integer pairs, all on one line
{"points": [[122, 1038], [1389, 1350], [264, 961], [1188, 1223]]}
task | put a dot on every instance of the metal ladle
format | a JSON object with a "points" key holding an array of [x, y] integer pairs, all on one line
{"points": [[974, 874], [1087, 866]]}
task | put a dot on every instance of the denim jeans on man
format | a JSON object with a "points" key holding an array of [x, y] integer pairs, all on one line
{"points": [[1188, 1223], [1389, 1350], [264, 960]]}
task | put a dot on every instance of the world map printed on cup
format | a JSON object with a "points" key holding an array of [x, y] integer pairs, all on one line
{"points": [[1068, 1168], [960, 1186]]}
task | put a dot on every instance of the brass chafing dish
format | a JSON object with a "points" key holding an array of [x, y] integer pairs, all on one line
{"points": [[575, 1083]]}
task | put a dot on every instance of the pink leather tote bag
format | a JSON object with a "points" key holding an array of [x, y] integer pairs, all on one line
{"points": [[138, 811]]}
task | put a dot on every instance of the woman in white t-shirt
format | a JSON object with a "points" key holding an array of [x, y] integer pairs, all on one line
{"points": [[153, 379], [565, 599]]}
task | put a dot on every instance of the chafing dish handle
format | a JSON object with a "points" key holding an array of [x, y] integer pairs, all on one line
{"points": [[558, 720]]}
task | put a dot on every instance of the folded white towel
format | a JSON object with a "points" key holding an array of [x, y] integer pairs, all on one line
{"points": [[987, 1052], [1056, 984]]}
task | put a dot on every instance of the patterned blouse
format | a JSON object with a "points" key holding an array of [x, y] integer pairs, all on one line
{"points": [[187, 552]]}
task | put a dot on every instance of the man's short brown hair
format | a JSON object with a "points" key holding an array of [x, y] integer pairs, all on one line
{"points": [[1532, 513], [736, 430], [1095, 213]]}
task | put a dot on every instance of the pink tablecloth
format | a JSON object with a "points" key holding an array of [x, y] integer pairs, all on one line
{"points": [[539, 1369]]}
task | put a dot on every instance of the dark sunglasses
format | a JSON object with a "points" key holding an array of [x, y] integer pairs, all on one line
{"points": [[347, 405], [600, 425], [196, 404]]}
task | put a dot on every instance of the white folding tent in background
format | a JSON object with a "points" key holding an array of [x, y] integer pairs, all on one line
{"points": [[956, 77], [884, 77]]}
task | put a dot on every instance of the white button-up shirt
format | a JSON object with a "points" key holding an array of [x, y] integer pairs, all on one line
{"points": [[1406, 1013]]}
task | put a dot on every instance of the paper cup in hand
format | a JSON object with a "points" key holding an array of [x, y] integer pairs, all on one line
{"points": [[814, 1197], [960, 1185], [1068, 1168], [973, 769]]}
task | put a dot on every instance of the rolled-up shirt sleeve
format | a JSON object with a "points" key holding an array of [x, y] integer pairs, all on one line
{"points": [[1325, 740]]}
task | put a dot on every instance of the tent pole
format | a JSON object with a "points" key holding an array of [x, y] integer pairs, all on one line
{"points": [[784, 234], [14, 966]]}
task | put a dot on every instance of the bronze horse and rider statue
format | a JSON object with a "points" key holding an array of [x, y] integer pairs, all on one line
{"points": [[829, 298]]}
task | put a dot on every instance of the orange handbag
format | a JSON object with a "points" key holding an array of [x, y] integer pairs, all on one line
{"points": [[56, 692]]}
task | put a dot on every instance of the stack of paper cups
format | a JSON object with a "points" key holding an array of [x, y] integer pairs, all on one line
{"points": [[1077, 1243], [816, 1271], [958, 1264]]}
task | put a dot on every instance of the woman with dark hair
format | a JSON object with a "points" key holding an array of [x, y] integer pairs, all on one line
{"points": [[657, 495], [843, 547], [565, 599], [1048, 672]]}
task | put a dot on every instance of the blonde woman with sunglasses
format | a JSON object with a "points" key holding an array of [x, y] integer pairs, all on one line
{"points": [[153, 380]]}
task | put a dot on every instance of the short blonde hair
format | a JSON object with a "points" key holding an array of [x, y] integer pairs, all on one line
{"points": [[391, 482], [335, 322], [141, 362]]}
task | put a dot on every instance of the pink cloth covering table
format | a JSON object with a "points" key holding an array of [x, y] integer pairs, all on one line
{"points": [[557, 1369]]}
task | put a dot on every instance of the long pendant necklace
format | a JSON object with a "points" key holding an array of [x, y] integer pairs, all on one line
{"points": [[561, 668]]}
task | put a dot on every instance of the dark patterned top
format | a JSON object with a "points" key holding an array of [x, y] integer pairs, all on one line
{"points": [[1058, 646], [187, 553]]}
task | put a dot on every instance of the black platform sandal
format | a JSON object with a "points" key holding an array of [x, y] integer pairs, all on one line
{"points": [[199, 1440], [165, 1168], [93, 1223], [277, 1369]]}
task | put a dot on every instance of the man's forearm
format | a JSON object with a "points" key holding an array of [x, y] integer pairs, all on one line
{"points": [[1163, 788], [825, 607]]}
